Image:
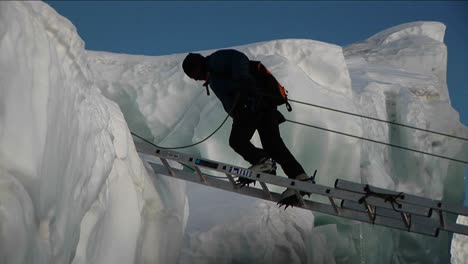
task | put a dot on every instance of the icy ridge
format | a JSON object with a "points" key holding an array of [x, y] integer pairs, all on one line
{"points": [[413, 48], [78, 170], [80, 193], [377, 78], [433, 30], [400, 75], [161, 103]]}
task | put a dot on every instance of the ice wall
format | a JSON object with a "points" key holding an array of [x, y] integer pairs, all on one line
{"points": [[72, 188], [400, 75], [164, 105], [396, 75]]}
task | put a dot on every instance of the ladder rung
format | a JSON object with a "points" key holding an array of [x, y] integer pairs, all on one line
{"points": [[407, 198], [168, 167], [332, 202], [406, 219], [266, 190], [200, 174], [379, 210], [231, 180], [441, 218], [299, 197], [371, 212], [210, 182]]}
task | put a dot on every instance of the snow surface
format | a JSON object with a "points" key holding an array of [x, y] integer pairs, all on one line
{"points": [[73, 189]]}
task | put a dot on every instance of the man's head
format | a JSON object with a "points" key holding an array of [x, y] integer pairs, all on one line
{"points": [[194, 66]]}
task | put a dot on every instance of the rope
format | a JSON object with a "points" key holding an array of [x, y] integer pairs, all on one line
{"points": [[186, 146], [328, 130], [367, 117], [380, 120], [236, 99], [378, 142]]}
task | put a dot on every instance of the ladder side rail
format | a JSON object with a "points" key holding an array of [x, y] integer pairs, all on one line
{"points": [[378, 201], [351, 186], [314, 188], [144, 148], [259, 176], [436, 204], [407, 198], [405, 208], [383, 212], [424, 229], [210, 182], [226, 185], [455, 228], [150, 158], [309, 205], [390, 213], [285, 182], [360, 188], [332, 193], [450, 225], [453, 209], [439, 207]]}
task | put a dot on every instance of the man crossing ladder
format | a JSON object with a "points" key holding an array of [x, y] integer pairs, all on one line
{"points": [[240, 84]]}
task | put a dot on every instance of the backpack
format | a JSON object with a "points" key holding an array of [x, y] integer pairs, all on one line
{"points": [[272, 90]]}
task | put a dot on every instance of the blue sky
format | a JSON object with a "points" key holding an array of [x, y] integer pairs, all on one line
{"points": [[168, 27]]}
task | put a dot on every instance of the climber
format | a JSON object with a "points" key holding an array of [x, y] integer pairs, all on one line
{"points": [[236, 82]]}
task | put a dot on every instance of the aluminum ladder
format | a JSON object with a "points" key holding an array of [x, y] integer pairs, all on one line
{"points": [[346, 199]]}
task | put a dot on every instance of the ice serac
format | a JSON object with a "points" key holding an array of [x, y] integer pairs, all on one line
{"points": [[73, 190], [72, 187], [379, 77], [400, 75], [248, 239], [162, 104]]}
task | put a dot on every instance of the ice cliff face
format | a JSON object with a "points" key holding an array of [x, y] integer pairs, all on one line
{"points": [[400, 75], [397, 75], [72, 188]]}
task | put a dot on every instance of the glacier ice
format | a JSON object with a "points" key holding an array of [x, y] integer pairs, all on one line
{"points": [[72, 186], [73, 189]]}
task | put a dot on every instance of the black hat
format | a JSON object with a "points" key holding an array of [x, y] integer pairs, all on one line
{"points": [[192, 62]]}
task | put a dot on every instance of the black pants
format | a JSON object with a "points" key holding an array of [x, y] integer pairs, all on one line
{"points": [[267, 124]]}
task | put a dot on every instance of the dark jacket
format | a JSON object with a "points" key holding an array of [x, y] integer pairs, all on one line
{"points": [[230, 75]]}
